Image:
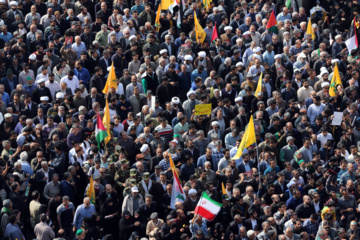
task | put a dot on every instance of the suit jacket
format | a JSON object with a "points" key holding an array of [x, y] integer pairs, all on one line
{"points": [[57, 118], [102, 63], [32, 112], [87, 39], [305, 155], [99, 98], [40, 174], [241, 167], [36, 120], [135, 104], [248, 225], [67, 190], [68, 91], [217, 62], [171, 47], [195, 154]]}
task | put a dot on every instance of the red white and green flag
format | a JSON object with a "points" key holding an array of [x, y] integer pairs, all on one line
{"points": [[214, 35], [272, 23], [100, 130], [207, 208], [177, 194]]}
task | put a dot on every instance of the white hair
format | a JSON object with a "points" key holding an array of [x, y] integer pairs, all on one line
{"points": [[23, 156]]}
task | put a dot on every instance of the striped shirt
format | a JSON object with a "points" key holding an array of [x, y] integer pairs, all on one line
{"points": [[166, 132]]}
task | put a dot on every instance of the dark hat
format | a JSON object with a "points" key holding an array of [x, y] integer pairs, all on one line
{"points": [[158, 167], [132, 172], [124, 161], [225, 197], [146, 176]]}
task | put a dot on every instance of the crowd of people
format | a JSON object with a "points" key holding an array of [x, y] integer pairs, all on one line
{"points": [[301, 180]]}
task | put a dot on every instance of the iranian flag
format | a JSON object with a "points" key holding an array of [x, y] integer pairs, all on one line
{"points": [[207, 208], [177, 194], [100, 130]]}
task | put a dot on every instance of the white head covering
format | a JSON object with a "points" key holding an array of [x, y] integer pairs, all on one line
{"points": [[277, 56], [131, 37], [190, 92], [13, 3], [188, 58], [324, 84], [144, 148], [41, 80], [228, 28], [59, 95], [324, 72], [202, 54], [32, 57], [44, 98], [239, 64], [214, 123], [256, 49], [238, 99], [175, 100], [335, 60], [163, 51]]}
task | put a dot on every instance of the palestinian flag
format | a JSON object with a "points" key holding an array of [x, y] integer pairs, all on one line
{"points": [[352, 42], [207, 208], [214, 35], [180, 14], [100, 130], [272, 24], [177, 194]]}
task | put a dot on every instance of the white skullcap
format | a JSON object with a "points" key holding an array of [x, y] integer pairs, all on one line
{"points": [[277, 56], [257, 56], [323, 69], [324, 84], [335, 60], [238, 99], [175, 141], [192, 191], [32, 57], [13, 3], [324, 72], [188, 58], [214, 123], [250, 233], [7, 115], [108, 69], [59, 95], [202, 54], [257, 49], [41, 80], [239, 64], [44, 98], [189, 93], [144, 148], [290, 184], [228, 28], [302, 55], [175, 100], [162, 51], [131, 37]]}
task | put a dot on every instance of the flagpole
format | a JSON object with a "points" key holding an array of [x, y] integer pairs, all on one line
{"points": [[257, 154]]}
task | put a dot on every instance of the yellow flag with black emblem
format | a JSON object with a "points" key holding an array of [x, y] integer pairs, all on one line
{"points": [[248, 139], [111, 81]]}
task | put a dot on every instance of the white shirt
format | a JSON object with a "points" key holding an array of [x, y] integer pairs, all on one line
{"points": [[72, 84], [53, 87], [323, 138]]}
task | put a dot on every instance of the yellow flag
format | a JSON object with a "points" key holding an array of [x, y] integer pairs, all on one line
{"points": [[259, 86], [336, 80], [310, 30], [172, 166], [111, 80], [199, 31], [202, 109], [91, 191], [157, 20], [223, 188], [248, 138], [206, 4], [106, 121], [165, 4]]}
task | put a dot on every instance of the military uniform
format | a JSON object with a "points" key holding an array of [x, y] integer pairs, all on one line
{"points": [[122, 175], [145, 188], [130, 182]]}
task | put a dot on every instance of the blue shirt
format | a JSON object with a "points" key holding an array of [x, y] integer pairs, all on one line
{"points": [[13, 232], [82, 212], [5, 98], [292, 203], [269, 57], [6, 37], [282, 17], [139, 8], [196, 74], [269, 169], [83, 75]]}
